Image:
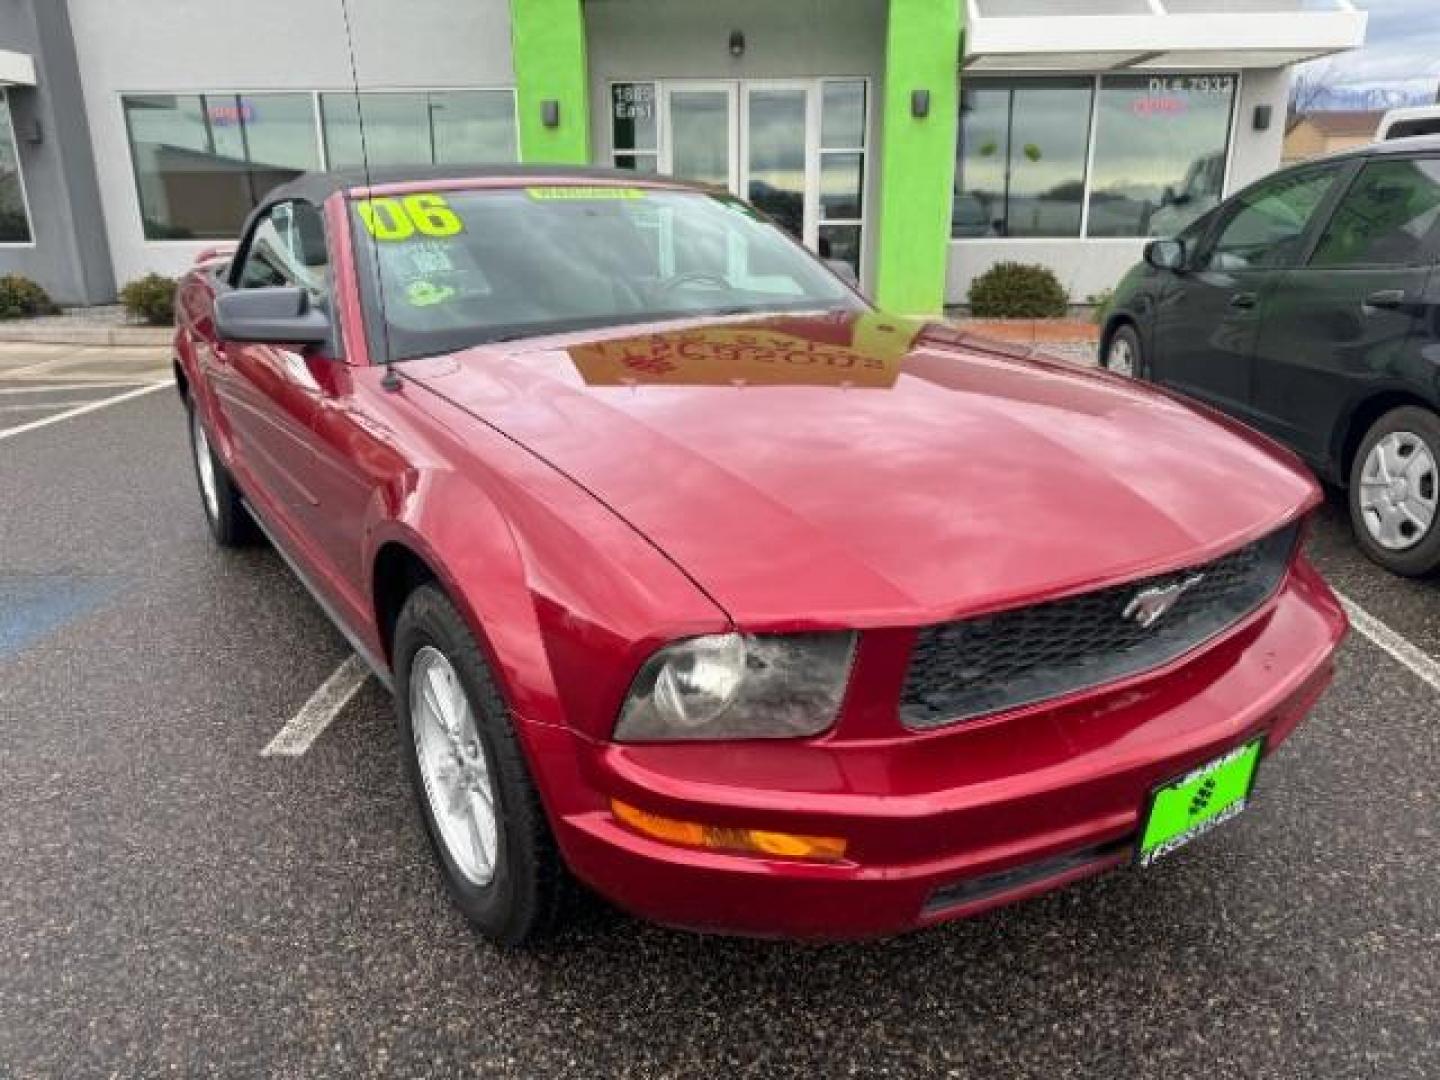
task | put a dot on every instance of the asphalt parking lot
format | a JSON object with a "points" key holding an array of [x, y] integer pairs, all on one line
{"points": [[174, 901]]}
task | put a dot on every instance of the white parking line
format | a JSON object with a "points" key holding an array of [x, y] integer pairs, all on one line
{"points": [[81, 410], [70, 387], [315, 715], [1418, 662]]}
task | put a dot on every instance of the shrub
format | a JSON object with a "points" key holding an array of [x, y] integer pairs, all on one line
{"points": [[1018, 291], [150, 299], [21, 298], [1101, 302]]}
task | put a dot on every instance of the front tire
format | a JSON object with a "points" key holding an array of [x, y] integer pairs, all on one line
{"points": [[481, 810], [225, 512], [1394, 492], [1124, 354]]}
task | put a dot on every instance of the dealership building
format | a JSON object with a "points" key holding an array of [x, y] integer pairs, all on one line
{"points": [[920, 140]]}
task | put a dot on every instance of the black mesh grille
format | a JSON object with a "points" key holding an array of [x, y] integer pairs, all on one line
{"points": [[980, 666]]}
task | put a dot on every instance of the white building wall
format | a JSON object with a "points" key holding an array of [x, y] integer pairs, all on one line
{"points": [[1086, 267], [188, 46]]}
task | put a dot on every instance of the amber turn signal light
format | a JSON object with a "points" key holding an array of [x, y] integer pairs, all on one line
{"points": [[717, 838]]}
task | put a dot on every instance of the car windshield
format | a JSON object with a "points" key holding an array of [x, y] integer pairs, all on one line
{"points": [[444, 270]]}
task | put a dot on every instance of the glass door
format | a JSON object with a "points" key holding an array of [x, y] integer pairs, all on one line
{"points": [[802, 149], [701, 136], [796, 148], [778, 177]]}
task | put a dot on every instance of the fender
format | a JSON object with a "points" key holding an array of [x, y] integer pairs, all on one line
{"points": [[1412, 389], [195, 291], [565, 597]]}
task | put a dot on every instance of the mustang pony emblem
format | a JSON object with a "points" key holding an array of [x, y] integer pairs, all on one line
{"points": [[1148, 606]]}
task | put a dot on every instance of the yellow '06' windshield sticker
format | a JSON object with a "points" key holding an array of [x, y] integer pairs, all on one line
{"points": [[401, 218], [576, 192]]}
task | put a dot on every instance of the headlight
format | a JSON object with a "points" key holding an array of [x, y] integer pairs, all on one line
{"points": [[739, 686]]}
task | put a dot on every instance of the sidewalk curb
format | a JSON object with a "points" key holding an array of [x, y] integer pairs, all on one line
{"points": [[103, 336]]}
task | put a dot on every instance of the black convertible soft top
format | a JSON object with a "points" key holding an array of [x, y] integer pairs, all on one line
{"points": [[316, 187]]}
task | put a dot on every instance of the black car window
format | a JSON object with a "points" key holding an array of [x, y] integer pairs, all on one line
{"points": [[288, 248], [1421, 125], [1389, 217], [1266, 227]]}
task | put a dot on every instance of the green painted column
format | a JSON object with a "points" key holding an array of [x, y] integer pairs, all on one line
{"points": [[917, 156], [547, 45]]}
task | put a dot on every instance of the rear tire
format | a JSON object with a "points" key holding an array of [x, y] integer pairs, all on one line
{"points": [[225, 512], [1394, 495], [1124, 354], [505, 873]]}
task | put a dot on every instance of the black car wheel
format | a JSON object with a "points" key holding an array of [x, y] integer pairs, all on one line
{"points": [[481, 810], [1124, 355], [225, 511], [1395, 492]]}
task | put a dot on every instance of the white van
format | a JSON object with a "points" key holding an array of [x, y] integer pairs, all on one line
{"points": [[1413, 120]]}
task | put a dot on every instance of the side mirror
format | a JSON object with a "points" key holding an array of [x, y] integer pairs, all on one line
{"points": [[1166, 254], [844, 271], [281, 315]]}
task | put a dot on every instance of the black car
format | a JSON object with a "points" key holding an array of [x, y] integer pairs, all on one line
{"points": [[1308, 306]]}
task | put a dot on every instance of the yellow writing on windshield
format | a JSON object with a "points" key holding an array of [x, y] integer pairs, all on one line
{"points": [[391, 219], [582, 193]]}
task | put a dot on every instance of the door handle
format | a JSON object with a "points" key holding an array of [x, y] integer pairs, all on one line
{"points": [[1243, 300], [1384, 300]]}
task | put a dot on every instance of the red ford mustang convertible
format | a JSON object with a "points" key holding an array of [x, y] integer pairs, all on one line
{"points": [[700, 581]]}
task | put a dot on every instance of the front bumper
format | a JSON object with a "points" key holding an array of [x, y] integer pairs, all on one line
{"points": [[940, 824]]}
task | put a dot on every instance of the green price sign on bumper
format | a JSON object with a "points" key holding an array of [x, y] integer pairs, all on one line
{"points": [[1199, 801]]}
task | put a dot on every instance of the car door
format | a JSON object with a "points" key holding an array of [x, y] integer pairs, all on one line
{"points": [[1349, 320], [269, 392], [1207, 318]]}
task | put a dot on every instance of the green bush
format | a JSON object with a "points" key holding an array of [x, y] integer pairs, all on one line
{"points": [[21, 298], [1011, 290], [151, 299]]}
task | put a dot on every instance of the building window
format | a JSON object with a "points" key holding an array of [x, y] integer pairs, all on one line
{"points": [[1160, 146], [1020, 170], [1157, 153], [842, 169], [14, 216], [634, 126], [440, 127], [203, 161]]}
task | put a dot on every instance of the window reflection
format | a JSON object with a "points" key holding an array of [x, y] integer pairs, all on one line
{"points": [[842, 170], [203, 161], [777, 155], [700, 143], [1021, 162], [1266, 228], [1389, 217], [1159, 152], [435, 128], [14, 222]]}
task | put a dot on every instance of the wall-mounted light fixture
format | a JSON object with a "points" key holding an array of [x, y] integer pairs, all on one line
{"points": [[737, 43], [919, 104], [1260, 120], [550, 113]]}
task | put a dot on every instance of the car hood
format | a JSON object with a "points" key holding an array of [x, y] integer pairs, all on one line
{"points": [[858, 470]]}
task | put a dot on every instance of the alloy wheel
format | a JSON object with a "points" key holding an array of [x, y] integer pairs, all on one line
{"points": [[204, 465], [453, 766], [1120, 357], [1399, 491]]}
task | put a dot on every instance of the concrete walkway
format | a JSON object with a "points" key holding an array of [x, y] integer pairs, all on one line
{"points": [[96, 326], [51, 363]]}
